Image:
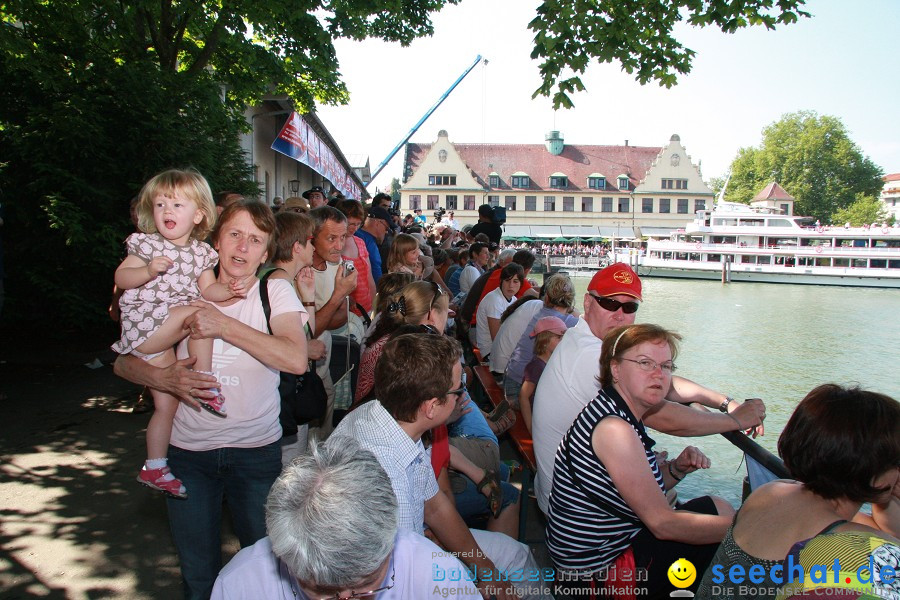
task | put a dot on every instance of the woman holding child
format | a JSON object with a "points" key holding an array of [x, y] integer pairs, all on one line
{"points": [[239, 457]]}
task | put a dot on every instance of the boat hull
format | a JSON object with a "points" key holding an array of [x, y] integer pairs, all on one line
{"points": [[753, 273]]}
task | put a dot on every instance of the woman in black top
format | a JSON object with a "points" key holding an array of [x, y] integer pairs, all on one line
{"points": [[608, 501]]}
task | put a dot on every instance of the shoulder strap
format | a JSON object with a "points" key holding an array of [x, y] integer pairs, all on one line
{"points": [[264, 294], [367, 320], [833, 526], [264, 275]]}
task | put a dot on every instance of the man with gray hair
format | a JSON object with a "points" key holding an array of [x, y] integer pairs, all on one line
{"points": [[332, 523], [333, 286], [418, 384]]}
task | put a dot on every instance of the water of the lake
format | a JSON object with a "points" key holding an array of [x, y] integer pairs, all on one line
{"points": [[770, 341]]}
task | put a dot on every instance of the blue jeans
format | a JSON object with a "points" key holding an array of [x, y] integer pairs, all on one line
{"points": [[511, 388], [472, 504], [240, 476], [472, 424]]}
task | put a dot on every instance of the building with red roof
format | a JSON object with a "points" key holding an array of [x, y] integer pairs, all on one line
{"points": [[774, 196], [890, 194], [555, 189]]}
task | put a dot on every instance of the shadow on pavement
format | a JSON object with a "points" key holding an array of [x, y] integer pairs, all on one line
{"points": [[74, 523]]}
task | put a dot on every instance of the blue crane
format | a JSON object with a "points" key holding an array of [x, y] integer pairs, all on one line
{"points": [[423, 119]]}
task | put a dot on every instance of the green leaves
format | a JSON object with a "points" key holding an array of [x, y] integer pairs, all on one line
{"points": [[813, 158], [98, 95], [637, 34], [865, 210]]}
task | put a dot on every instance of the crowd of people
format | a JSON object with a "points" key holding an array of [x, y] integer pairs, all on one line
{"points": [[232, 311], [583, 249]]}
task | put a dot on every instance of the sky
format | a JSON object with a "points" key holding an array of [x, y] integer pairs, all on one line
{"points": [[841, 62]]}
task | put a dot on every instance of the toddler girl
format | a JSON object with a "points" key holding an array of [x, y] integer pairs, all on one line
{"points": [[168, 267]]}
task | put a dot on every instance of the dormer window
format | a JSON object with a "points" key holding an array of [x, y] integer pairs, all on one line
{"points": [[597, 182], [623, 182], [559, 180], [521, 181], [494, 180]]}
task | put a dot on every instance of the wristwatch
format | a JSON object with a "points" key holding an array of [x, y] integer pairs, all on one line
{"points": [[724, 406]]}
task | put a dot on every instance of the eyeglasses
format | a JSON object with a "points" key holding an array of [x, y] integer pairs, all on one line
{"points": [[438, 292], [648, 365], [458, 392], [614, 305], [369, 594]]}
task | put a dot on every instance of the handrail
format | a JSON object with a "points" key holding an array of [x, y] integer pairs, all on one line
{"points": [[707, 247], [758, 453]]}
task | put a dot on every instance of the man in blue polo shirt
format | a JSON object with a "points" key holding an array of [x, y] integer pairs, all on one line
{"points": [[372, 233]]}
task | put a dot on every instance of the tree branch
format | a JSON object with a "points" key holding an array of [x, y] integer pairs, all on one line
{"points": [[154, 34], [210, 44]]}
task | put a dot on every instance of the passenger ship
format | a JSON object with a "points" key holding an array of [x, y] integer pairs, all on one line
{"points": [[737, 242]]}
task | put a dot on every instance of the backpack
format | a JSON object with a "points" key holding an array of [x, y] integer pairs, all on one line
{"points": [[303, 397]]}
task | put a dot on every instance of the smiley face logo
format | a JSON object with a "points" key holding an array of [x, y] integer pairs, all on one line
{"points": [[682, 573]]}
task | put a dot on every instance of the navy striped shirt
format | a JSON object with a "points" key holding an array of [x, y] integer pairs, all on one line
{"points": [[584, 535]]}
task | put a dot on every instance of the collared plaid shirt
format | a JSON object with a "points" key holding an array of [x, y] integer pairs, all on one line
{"points": [[406, 462]]}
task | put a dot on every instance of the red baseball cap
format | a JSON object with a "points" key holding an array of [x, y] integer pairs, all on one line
{"points": [[617, 278]]}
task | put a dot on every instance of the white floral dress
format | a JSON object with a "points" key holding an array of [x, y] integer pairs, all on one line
{"points": [[145, 308]]}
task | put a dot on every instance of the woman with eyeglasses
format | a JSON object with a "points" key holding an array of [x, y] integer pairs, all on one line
{"points": [[608, 503]]}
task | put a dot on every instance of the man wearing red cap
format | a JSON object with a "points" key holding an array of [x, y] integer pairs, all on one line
{"points": [[569, 380]]}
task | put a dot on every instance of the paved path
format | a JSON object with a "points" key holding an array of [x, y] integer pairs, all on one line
{"points": [[73, 521]]}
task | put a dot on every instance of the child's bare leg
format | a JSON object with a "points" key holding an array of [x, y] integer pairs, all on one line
{"points": [[170, 332], [159, 430], [203, 351], [156, 473]]}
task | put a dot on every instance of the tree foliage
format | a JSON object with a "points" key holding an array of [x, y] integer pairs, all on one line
{"points": [[865, 210], [813, 158], [98, 95], [638, 34], [395, 191], [716, 184]]}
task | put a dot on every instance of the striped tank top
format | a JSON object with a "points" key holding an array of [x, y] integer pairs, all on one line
{"points": [[589, 523]]}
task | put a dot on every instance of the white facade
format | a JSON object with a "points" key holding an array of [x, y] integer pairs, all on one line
{"points": [[890, 195], [633, 189]]}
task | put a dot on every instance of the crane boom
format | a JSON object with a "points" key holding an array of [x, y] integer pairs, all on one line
{"points": [[423, 119]]}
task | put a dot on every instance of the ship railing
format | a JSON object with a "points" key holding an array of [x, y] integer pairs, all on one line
{"points": [[762, 465], [574, 261], [669, 245]]}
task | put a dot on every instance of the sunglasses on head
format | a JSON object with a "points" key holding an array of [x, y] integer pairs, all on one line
{"points": [[614, 305], [438, 292]]}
